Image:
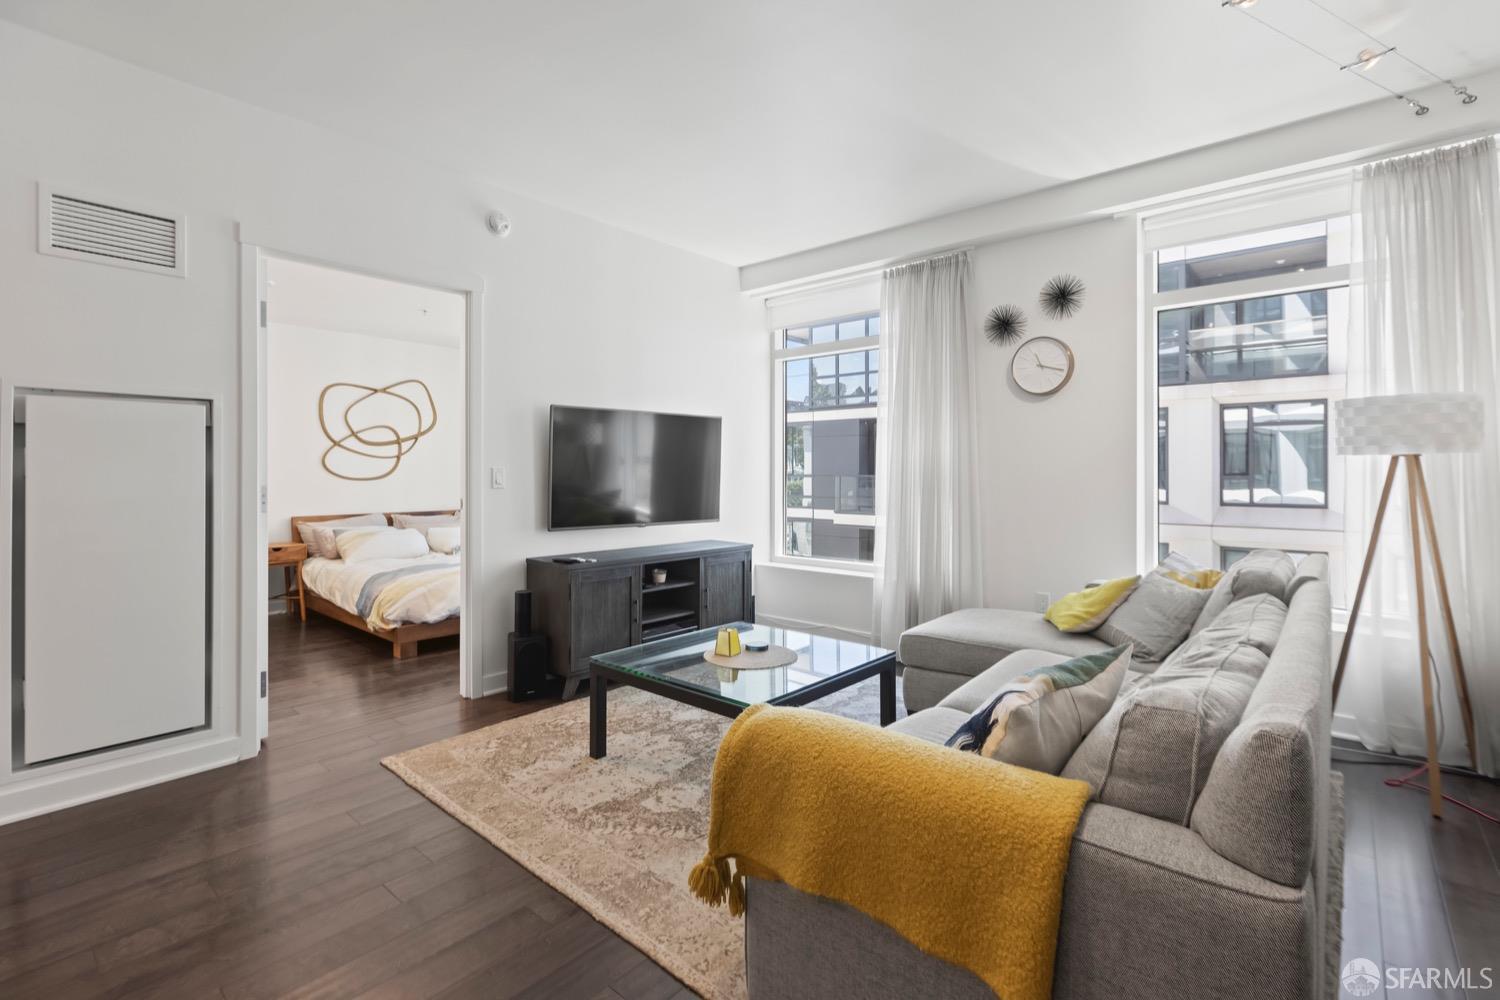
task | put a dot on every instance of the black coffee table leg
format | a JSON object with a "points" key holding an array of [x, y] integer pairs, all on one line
{"points": [[888, 694], [598, 692]]}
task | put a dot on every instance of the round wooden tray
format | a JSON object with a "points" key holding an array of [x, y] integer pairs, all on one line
{"points": [[776, 656]]}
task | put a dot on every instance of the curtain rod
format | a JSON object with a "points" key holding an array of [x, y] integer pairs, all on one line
{"points": [[860, 274]]}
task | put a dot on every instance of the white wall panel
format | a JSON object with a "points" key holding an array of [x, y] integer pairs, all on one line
{"points": [[116, 571]]}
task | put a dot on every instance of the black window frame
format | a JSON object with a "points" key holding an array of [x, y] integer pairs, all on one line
{"points": [[1249, 474]]}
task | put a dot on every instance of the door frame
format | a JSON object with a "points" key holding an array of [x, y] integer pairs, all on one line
{"points": [[255, 249]]}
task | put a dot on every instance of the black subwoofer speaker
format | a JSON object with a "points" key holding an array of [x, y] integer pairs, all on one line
{"points": [[523, 612], [528, 676]]}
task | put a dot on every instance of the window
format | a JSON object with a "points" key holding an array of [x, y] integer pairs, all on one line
{"points": [[1161, 454], [1249, 301], [1288, 250], [830, 372], [1274, 454], [1229, 555], [1272, 336]]}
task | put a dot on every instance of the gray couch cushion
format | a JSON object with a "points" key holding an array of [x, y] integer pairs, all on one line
{"points": [[934, 724], [969, 642], [1152, 753], [1264, 571], [977, 691], [1156, 617], [1260, 808], [1255, 621]]}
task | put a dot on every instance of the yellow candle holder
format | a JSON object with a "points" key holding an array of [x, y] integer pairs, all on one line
{"points": [[727, 643]]}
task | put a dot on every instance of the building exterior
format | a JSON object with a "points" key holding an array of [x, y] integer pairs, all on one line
{"points": [[1251, 336]]}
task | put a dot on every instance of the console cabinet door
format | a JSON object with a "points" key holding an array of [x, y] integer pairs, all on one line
{"points": [[604, 611], [726, 588]]}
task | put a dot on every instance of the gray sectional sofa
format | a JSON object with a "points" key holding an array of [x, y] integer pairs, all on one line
{"points": [[1205, 868]]}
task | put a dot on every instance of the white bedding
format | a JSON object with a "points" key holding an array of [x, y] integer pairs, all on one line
{"points": [[389, 592]]}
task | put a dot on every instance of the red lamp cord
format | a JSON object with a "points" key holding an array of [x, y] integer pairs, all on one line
{"points": [[1405, 781]]}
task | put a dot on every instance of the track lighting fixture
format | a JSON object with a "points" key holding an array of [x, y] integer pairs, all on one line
{"points": [[1365, 61]]}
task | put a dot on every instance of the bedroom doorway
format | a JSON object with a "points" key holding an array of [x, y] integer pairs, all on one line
{"points": [[363, 406]]}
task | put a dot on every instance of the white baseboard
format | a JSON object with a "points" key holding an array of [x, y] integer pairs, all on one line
{"points": [[34, 793], [493, 684], [817, 628]]}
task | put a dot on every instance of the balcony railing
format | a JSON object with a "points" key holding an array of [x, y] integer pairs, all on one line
{"points": [[839, 494], [1265, 349]]}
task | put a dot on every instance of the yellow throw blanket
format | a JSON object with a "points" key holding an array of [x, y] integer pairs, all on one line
{"points": [[961, 855]]}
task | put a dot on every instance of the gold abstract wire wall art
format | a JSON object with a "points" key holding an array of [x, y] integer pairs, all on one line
{"points": [[382, 437]]}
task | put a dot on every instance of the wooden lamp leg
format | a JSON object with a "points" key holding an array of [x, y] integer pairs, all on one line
{"points": [[1364, 577], [1434, 772], [1443, 602]]}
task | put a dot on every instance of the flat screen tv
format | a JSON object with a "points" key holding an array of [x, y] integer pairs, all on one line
{"points": [[624, 467]]}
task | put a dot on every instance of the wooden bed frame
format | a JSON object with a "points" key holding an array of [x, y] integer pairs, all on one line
{"points": [[403, 638]]}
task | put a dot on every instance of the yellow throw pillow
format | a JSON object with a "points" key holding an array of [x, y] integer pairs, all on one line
{"points": [[1188, 573], [1201, 579], [1087, 609]]}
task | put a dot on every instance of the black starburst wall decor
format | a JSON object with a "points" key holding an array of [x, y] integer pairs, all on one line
{"points": [[1061, 296], [1004, 325]]}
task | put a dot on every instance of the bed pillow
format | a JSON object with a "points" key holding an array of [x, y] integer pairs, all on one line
{"points": [[360, 544], [1039, 719], [444, 538], [423, 521], [318, 535], [1156, 617]]}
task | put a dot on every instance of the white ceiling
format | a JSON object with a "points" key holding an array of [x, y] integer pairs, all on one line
{"points": [[328, 299], [749, 130]]}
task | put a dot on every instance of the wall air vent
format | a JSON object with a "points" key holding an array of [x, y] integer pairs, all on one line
{"points": [[84, 228]]}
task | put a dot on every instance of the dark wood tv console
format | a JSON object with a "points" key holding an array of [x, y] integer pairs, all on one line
{"points": [[593, 602]]}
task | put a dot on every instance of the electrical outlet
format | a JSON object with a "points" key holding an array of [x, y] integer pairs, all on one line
{"points": [[1043, 600], [497, 477]]}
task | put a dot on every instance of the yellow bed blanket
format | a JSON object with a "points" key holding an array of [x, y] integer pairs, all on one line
{"points": [[961, 855]]}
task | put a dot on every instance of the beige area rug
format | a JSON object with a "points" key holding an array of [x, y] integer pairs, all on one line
{"points": [[618, 836]]}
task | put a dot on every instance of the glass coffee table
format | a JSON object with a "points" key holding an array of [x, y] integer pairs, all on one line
{"points": [[674, 668]]}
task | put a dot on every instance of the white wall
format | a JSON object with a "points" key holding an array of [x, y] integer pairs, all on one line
{"points": [[575, 312], [1058, 473], [1057, 477], [300, 362]]}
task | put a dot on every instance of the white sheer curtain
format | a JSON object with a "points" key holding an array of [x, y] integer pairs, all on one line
{"points": [[927, 493], [1427, 302]]}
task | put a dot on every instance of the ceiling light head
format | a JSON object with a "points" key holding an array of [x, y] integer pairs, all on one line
{"points": [[1417, 107], [1465, 96], [1369, 57], [1241, 4]]}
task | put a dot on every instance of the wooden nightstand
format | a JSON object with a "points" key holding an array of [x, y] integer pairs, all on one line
{"points": [[289, 556]]}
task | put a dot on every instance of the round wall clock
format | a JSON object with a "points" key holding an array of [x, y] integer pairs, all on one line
{"points": [[1042, 365]]}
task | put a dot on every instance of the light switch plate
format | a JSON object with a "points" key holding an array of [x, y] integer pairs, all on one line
{"points": [[1043, 600], [497, 477]]}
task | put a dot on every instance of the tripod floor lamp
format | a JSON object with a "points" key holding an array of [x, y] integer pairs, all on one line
{"points": [[1406, 428]]}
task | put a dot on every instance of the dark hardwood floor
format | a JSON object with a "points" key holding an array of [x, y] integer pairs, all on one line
{"points": [[310, 871], [313, 872]]}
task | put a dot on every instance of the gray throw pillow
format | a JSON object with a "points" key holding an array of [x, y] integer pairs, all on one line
{"points": [[1264, 571], [1155, 617]]}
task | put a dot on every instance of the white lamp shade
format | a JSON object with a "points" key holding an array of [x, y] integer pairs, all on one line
{"points": [[1411, 424]]}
